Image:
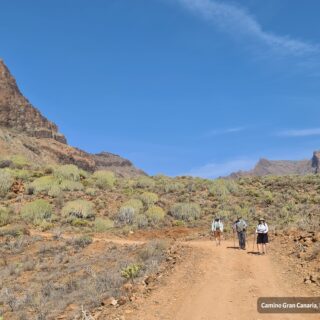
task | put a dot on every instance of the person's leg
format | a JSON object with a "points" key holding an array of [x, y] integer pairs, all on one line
{"points": [[244, 240], [266, 241], [219, 238], [239, 238], [216, 236]]}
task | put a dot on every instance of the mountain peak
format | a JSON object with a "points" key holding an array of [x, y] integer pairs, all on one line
{"points": [[18, 114]]}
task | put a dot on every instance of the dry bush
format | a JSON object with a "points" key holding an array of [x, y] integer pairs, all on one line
{"points": [[78, 209], [37, 211], [149, 198], [6, 181], [186, 211], [103, 179], [144, 182], [103, 225], [67, 172], [155, 214]]}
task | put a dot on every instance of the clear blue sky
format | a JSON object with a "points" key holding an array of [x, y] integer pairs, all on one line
{"points": [[177, 86]]}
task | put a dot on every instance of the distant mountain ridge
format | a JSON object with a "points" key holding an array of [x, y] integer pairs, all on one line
{"points": [[282, 167], [25, 131]]}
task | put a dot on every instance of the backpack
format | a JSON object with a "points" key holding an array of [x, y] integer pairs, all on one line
{"points": [[217, 225], [240, 226]]}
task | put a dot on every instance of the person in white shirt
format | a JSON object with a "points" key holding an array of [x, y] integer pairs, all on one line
{"points": [[262, 236], [217, 229]]}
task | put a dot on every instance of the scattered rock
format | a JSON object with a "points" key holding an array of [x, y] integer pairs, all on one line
{"points": [[122, 300], [111, 301]]}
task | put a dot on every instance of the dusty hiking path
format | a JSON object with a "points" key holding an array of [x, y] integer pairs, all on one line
{"points": [[218, 283], [212, 282]]}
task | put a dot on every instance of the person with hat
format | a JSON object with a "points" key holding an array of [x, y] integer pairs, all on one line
{"points": [[262, 236], [217, 229]]}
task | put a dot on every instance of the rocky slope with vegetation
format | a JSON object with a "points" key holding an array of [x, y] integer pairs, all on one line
{"points": [[60, 206], [66, 200], [25, 131]]}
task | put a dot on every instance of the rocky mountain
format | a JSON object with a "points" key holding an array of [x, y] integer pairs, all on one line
{"points": [[25, 131], [282, 167]]}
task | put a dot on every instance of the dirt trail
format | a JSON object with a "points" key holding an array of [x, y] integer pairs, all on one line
{"points": [[213, 283], [218, 283]]}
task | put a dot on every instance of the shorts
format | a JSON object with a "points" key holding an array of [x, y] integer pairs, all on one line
{"points": [[217, 233], [262, 238]]}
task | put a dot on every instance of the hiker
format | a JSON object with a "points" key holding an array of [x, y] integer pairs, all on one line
{"points": [[262, 236], [217, 229], [240, 227]]}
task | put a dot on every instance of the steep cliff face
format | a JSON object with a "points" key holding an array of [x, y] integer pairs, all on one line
{"points": [[18, 114], [24, 130]]}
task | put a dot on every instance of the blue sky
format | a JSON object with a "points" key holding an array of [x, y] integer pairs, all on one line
{"points": [[177, 86]]}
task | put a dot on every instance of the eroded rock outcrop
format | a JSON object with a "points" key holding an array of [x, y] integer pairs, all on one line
{"points": [[24, 130], [18, 114]]}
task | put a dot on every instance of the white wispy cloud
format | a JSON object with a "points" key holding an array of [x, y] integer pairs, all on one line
{"points": [[214, 170], [218, 132], [239, 22], [300, 132]]}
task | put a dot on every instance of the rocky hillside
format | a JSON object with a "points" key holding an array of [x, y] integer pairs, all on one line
{"points": [[25, 131], [282, 167]]}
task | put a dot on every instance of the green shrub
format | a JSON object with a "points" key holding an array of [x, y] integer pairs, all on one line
{"points": [[219, 188], [104, 179], [155, 214], [178, 223], [130, 272], [37, 211], [6, 182], [78, 209], [43, 184], [268, 197], [102, 225], [154, 250], [84, 174], [91, 191], [69, 185], [186, 211], [19, 161], [125, 215], [144, 182], [141, 221], [82, 241], [79, 222], [4, 216], [45, 225], [149, 198], [55, 191], [15, 231], [67, 172], [19, 173], [172, 186], [136, 204]]}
